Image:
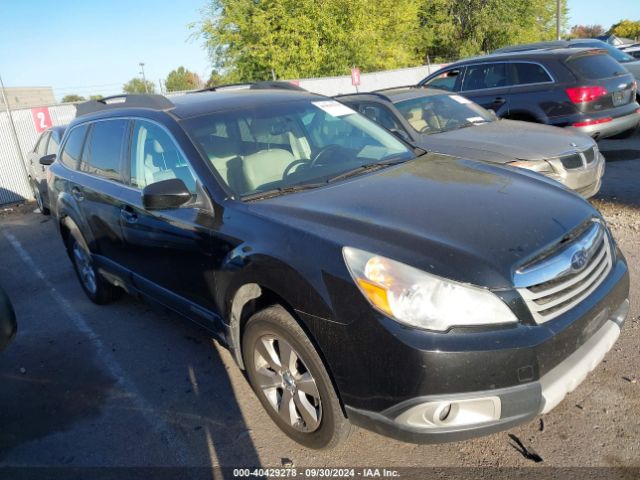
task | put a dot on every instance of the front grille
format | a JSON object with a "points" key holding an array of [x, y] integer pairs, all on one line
{"points": [[578, 159], [558, 282]]}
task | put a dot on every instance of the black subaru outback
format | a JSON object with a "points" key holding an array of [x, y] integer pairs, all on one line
{"points": [[355, 280]]}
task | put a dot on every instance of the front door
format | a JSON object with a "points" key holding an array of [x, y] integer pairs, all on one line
{"points": [[168, 251]]}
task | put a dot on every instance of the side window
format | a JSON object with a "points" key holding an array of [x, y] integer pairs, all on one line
{"points": [[380, 115], [73, 147], [449, 80], [155, 157], [525, 73], [42, 144], [102, 153], [486, 75], [54, 143]]}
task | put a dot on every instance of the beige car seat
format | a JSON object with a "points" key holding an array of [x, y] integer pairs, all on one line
{"points": [[257, 169], [414, 117]]}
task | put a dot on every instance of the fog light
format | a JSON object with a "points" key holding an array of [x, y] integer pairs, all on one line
{"points": [[452, 413]]}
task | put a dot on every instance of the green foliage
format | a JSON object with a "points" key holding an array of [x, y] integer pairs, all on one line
{"points": [[181, 79], [137, 85], [586, 31], [453, 29], [96, 97], [72, 98], [255, 39], [626, 28]]}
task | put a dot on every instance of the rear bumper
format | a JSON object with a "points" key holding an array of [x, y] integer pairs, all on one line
{"points": [[613, 127], [410, 420]]}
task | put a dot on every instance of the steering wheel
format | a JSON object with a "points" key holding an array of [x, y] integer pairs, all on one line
{"points": [[323, 152], [287, 171]]}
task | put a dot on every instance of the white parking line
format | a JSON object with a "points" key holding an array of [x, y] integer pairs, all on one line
{"points": [[146, 410]]}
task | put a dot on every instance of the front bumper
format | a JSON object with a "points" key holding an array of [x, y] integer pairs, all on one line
{"points": [[410, 421]]}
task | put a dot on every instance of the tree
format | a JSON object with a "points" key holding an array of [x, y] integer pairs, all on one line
{"points": [[586, 31], [451, 29], [253, 40], [181, 79], [215, 79], [72, 98], [96, 97], [627, 29], [137, 85]]}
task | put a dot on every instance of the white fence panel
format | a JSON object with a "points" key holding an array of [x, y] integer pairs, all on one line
{"points": [[13, 185]]}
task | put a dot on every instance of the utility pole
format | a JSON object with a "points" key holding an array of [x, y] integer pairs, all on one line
{"points": [[160, 85], [14, 134], [558, 14], [144, 80]]}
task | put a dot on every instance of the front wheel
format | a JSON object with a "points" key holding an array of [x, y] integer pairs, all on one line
{"points": [[291, 381], [94, 285]]}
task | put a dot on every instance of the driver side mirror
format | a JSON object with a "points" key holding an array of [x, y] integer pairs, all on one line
{"points": [[493, 114], [165, 194], [48, 159]]}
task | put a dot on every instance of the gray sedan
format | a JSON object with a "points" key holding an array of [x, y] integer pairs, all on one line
{"points": [[446, 123]]}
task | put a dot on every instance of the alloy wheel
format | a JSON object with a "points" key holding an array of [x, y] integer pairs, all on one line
{"points": [[287, 383], [85, 268]]}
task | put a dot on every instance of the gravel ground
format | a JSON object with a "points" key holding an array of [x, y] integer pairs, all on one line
{"points": [[128, 386]]}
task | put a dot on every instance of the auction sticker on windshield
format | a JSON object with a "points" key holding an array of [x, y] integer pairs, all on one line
{"points": [[333, 108]]}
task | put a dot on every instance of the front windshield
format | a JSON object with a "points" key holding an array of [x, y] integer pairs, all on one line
{"points": [[441, 113], [285, 145], [619, 55]]}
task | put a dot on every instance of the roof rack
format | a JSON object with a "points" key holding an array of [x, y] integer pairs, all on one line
{"points": [[271, 84], [153, 101], [359, 94], [395, 88]]}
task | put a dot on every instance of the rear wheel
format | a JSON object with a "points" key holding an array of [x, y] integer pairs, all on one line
{"points": [[38, 197], [291, 381], [94, 285]]}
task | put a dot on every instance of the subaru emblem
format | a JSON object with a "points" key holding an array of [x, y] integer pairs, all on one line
{"points": [[579, 260], [573, 144]]}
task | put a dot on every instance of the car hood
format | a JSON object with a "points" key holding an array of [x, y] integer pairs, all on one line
{"points": [[468, 221], [505, 141]]}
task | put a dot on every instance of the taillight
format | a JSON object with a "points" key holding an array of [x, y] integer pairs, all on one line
{"points": [[585, 94], [593, 122]]}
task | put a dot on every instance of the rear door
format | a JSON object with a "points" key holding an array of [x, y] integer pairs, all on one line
{"points": [[168, 251], [487, 85], [36, 170], [99, 184]]}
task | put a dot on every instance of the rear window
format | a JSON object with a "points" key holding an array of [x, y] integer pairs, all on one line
{"points": [[525, 73], [103, 150], [73, 147], [595, 66]]}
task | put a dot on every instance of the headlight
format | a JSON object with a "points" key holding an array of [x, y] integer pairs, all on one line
{"points": [[420, 299], [540, 166]]}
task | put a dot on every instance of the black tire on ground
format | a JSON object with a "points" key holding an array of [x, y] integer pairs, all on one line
{"points": [[276, 322], [100, 291], [38, 196], [625, 134]]}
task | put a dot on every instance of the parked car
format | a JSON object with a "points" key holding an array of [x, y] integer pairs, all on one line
{"points": [[633, 51], [8, 325], [583, 89], [429, 299], [441, 122], [46, 145]]}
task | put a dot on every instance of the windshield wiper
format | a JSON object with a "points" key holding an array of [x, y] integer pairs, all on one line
{"points": [[276, 192], [371, 167]]}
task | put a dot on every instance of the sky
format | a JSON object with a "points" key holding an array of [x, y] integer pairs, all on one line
{"points": [[94, 46]]}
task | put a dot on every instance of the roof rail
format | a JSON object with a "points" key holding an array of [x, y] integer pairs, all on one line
{"points": [[153, 101], [360, 94], [263, 85], [395, 88]]}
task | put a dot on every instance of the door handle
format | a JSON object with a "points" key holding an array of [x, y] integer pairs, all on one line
{"points": [[77, 194], [499, 100], [128, 214]]}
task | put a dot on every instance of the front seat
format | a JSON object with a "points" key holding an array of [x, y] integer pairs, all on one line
{"points": [[414, 117], [261, 168]]}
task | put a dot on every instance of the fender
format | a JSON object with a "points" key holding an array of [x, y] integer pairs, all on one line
{"points": [[69, 216]]}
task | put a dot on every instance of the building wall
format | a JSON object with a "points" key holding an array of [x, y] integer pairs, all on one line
{"points": [[27, 97]]}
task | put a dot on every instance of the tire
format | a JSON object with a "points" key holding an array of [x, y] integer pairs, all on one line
{"points": [[99, 290], [38, 196], [314, 418]]}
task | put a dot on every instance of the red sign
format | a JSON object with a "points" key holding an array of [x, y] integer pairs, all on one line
{"points": [[355, 76], [41, 118]]}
